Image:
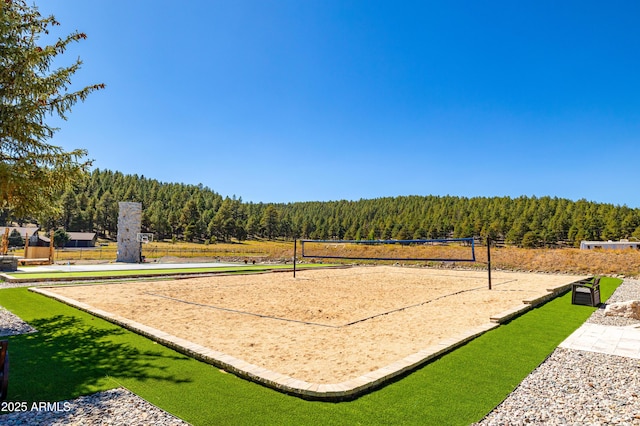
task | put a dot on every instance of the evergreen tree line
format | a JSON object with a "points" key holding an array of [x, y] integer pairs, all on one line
{"points": [[196, 213]]}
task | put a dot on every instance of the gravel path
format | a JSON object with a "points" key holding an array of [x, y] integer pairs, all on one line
{"points": [[575, 387], [570, 388]]}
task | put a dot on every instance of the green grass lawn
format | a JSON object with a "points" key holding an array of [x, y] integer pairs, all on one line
{"points": [[74, 354]]}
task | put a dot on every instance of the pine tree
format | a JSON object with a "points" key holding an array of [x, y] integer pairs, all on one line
{"points": [[223, 225], [60, 238], [270, 222], [34, 172], [15, 239]]}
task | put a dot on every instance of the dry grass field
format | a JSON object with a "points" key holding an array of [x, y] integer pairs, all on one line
{"points": [[566, 260]]}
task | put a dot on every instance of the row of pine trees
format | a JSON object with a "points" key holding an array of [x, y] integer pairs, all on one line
{"points": [[196, 213]]}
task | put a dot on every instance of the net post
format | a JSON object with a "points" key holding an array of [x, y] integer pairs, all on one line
{"points": [[473, 249], [295, 246], [489, 260]]}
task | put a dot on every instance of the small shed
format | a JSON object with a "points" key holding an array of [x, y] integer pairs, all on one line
{"points": [[610, 245]]}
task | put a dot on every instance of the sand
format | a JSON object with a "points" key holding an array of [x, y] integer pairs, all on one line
{"points": [[324, 326]]}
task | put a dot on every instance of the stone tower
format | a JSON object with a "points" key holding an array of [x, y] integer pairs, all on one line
{"points": [[129, 223]]}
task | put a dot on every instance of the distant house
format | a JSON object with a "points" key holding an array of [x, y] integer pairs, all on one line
{"points": [[609, 245], [81, 239]]}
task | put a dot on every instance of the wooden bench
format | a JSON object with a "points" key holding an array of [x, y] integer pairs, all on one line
{"points": [[35, 261], [4, 369], [586, 292]]}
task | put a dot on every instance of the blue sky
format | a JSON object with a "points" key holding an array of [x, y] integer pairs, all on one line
{"points": [[283, 101]]}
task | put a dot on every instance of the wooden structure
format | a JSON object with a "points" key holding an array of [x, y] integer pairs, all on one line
{"points": [[586, 292], [38, 254], [7, 263], [4, 369], [4, 246]]}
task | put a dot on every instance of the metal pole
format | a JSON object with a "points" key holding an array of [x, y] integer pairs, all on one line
{"points": [[295, 246], [489, 260]]}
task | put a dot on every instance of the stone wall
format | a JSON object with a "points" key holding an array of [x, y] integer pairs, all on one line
{"points": [[129, 223], [8, 263]]}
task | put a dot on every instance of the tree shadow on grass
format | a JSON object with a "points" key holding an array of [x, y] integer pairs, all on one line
{"points": [[69, 357]]}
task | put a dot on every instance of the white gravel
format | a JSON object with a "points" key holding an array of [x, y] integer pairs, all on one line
{"points": [[11, 325], [115, 407]]}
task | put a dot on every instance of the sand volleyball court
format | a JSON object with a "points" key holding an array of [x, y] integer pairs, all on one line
{"points": [[325, 326]]}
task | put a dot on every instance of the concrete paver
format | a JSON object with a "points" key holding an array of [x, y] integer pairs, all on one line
{"points": [[607, 339]]}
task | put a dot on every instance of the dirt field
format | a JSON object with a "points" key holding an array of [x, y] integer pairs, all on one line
{"points": [[324, 326]]}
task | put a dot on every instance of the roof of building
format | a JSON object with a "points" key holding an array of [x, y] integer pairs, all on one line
{"points": [[611, 242], [81, 236], [25, 231]]}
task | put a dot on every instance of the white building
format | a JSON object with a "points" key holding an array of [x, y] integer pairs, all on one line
{"points": [[610, 245]]}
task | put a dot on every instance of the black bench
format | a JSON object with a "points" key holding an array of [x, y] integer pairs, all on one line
{"points": [[586, 292], [4, 369]]}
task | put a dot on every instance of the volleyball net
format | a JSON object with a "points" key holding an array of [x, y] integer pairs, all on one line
{"points": [[439, 250], [433, 250]]}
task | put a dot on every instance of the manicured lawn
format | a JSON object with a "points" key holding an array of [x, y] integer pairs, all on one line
{"points": [[74, 354]]}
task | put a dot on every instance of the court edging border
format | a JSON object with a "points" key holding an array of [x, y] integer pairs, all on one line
{"points": [[348, 390]]}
